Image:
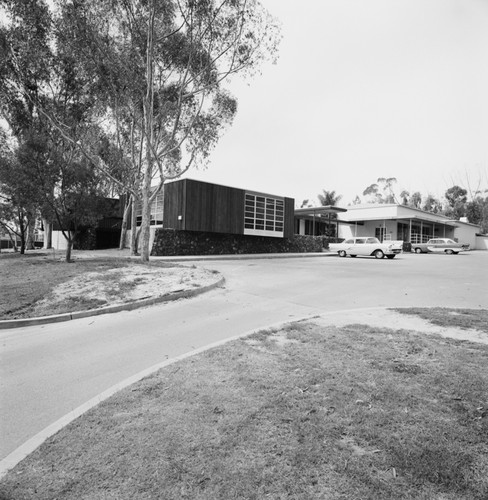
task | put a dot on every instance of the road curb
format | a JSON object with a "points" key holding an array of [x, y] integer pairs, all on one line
{"points": [[11, 460], [129, 306], [246, 256]]}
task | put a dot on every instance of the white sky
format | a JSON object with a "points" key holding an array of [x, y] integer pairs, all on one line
{"points": [[363, 89]]}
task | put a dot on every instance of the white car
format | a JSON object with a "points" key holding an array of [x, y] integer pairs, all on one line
{"points": [[367, 246], [441, 245]]}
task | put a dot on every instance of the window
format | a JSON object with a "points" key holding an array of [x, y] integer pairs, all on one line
{"points": [[263, 215], [157, 207]]}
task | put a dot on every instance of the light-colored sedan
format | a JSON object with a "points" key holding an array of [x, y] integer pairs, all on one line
{"points": [[441, 245], [367, 246]]}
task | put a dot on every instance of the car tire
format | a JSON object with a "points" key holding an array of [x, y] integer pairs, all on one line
{"points": [[342, 253], [353, 255], [378, 254], [418, 250], [390, 257], [449, 251]]}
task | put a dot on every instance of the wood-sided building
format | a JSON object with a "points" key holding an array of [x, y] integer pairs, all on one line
{"points": [[191, 205]]}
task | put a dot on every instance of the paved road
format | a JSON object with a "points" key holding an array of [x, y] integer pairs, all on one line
{"points": [[47, 371]]}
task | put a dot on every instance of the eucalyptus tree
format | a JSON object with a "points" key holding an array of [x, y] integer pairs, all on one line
{"points": [[16, 206], [42, 86], [415, 200], [382, 190], [432, 204], [457, 198], [149, 74], [160, 69]]}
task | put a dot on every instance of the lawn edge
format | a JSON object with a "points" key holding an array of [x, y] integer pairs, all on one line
{"points": [[129, 306], [16, 456]]}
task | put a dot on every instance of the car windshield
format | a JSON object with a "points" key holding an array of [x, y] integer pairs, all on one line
{"points": [[450, 241], [372, 240]]}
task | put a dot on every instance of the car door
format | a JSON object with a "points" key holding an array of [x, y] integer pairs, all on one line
{"points": [[370, 246], [435, 245], [360, 248]]}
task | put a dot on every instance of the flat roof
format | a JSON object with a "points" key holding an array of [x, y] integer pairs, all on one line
{"points": [[314, 211], [404, 218]]}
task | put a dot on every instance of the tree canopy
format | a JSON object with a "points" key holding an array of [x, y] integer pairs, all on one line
{"points": [[147, 76]]}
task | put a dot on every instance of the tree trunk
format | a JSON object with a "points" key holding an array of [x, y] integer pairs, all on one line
{"points": [[146, 219], [30, 233], [69, 246], [22, 233], [148, 106], [123, 231], [69, 236], [133, 225], [48, 234]]}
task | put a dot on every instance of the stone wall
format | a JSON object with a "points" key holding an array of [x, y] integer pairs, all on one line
{"points": [[174, 242]]}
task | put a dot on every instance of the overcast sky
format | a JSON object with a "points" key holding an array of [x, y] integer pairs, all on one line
{"points": [[363, 89]]}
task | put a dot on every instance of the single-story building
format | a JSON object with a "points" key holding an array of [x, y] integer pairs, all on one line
{"points": [[190, 205], [318, 221], [399, 222], [105, 233]]}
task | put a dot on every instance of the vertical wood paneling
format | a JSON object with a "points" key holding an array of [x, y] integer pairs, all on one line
{"points": [[174, 204], [211, 208], [288, 228]]}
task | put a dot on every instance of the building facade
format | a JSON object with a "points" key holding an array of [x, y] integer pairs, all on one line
{"points": [[398, 222], [192, 205]]}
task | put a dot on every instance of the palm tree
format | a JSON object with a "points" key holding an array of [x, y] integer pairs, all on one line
{"points": [[327, 198]]}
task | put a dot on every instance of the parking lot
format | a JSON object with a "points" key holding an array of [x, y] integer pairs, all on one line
{"points": [[333, 283]]}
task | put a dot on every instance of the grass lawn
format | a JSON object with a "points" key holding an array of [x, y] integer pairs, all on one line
{"points": [[26, 279], [305, 412]]}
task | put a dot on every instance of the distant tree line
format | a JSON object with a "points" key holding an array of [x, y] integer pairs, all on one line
{"points": [[456, 204]]}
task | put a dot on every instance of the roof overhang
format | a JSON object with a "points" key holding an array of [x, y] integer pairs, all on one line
{"points": [[318, 211], [405, 218]]}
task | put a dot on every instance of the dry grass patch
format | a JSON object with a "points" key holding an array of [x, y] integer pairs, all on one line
{"points": [[38, 285], [306, 412], [466, 319]]}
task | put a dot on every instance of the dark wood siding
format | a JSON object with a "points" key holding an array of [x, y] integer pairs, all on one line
{"points": [[214, 208], [211, 208], [174, 204], [288, 229]]}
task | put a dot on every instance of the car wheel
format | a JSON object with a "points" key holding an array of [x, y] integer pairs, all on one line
{"points": [[390, 257], [353, 255], [449, 251], [378, 254], [418, 250], [342, 253]]}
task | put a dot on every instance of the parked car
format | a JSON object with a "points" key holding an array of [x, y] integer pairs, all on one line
{"points": [[440, 245], [367, 246]]}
